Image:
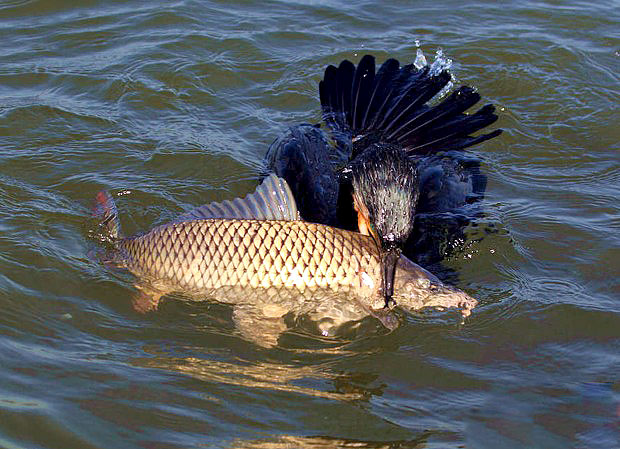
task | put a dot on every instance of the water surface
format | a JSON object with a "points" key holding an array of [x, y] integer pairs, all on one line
{"points": [[174, 104]]}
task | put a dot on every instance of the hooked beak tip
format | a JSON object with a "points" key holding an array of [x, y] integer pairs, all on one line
{"points": [[389, 259]]}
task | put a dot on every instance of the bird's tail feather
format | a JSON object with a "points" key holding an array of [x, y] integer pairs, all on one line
{"points": [[390, 106]]}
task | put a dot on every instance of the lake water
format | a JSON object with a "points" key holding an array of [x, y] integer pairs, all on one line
{"points": [[174, 104]]}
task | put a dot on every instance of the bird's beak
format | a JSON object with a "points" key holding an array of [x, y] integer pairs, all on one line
{"points": [[389, 259]]}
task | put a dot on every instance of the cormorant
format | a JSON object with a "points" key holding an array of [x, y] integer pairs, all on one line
{"points": [[387, 153]]}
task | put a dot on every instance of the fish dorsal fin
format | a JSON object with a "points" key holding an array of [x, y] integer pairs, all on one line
{"points": [[272, 200]]}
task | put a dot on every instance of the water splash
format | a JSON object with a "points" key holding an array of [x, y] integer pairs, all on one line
{"points": [[440, 64], [420, 59]]}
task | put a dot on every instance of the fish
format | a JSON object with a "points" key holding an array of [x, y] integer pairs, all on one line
{"points": [[256, 254]]}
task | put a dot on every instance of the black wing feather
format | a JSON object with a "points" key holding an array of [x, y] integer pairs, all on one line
{"points": [[391, 106]]}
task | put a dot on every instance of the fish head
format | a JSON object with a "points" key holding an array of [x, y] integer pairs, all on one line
{"points": [[416, 288]]}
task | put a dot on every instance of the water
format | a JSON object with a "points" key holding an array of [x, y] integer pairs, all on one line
{"points": [[174, 104]]}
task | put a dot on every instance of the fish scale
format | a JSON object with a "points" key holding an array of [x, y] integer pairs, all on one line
{"points": [[207, 254]]}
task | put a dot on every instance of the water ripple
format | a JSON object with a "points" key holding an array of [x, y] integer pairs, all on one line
{"points": [[174, 104]]}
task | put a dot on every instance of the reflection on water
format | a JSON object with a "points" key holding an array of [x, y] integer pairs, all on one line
{"points": [[263, 375], [289, 441]]}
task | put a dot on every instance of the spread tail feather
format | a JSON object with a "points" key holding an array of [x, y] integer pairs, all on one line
{"points": [[390, 106], [104, 210]]}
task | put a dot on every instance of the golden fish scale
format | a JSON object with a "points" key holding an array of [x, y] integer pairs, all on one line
{"points": [[212, 253]]}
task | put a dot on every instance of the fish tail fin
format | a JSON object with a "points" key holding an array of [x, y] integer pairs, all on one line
{"points": [[390, 106], [104, 210]]}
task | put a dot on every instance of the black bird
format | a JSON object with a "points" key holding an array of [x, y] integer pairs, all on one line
{"points": [[387, 154]]}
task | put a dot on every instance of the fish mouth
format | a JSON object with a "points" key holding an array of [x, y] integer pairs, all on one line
{"points": [[448, 298], [438, 300], [416, 289]]}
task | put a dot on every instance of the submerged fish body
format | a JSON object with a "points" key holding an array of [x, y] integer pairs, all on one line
{"points": [[329, 274]]}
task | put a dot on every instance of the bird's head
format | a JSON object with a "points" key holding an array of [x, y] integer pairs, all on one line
{"points": [[385, 194]]}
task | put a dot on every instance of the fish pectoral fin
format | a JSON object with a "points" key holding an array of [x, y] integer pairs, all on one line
{"points": [[259, 326], [146, 299]]}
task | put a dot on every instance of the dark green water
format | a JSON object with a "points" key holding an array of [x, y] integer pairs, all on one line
{"points": [[175, 103]]}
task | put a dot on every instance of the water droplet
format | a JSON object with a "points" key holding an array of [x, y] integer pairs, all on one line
{"points": [[420, 59]]}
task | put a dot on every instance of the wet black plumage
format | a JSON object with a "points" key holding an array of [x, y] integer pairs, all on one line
{"points": [[301, 156]]}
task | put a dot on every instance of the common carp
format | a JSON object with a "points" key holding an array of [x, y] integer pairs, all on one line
{"points": [[256, 254]]}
